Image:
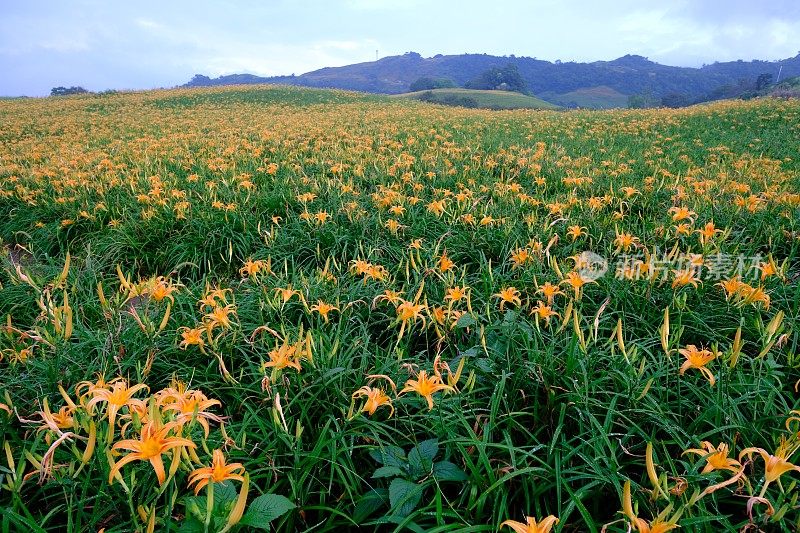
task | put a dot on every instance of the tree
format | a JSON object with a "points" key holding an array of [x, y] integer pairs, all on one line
{"points": [[763, 81], [675, 100], [506, 78], [198, 80], [636, 101], [65, 91], [426, 84]]}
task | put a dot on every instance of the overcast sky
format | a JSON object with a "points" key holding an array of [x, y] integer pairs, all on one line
{"points": [[139, 44]]}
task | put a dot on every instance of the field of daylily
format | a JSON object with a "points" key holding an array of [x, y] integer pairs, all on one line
{"points": [[304, 310]]}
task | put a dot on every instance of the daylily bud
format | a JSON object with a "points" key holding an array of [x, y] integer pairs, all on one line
{"points": [[87, 453], [238, 509]]}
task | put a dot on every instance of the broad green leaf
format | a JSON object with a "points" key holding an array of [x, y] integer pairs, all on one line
{"points": [[447, 471], [224, 493], [190, 525], [426, 449], [265, 509], [404, 496], [465, 321], [369, 503], [387, 471], [389, 456], [420, 458]]}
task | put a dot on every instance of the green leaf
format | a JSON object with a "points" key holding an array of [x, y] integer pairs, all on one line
{"points": [[191, 525], [420, 458], [369, 503], [484, 365], [426, 449], [387, 471], [195, 506], [472, 352], [224, 493], [265, 509], [404, 496], [389, 456], [447, 471], [465, 321]]}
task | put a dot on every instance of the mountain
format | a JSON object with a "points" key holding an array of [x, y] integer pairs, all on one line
{"points": [[554, 81]]}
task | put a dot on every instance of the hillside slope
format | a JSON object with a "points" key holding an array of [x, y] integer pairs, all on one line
{"points": [[626, 75], [479, 99]]}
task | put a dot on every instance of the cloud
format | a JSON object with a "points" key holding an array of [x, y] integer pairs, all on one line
{"points": [[65, 45], [279, 59], [722, 12], [148, 24], [382, 5], [150, 43]]}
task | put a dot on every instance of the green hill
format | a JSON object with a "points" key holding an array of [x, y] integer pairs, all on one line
{"points": [[600, 97], [479, 99], [628, 75]]}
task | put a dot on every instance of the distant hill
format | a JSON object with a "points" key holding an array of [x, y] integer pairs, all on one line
{"points": [[600, 97], [627, 75], [479, 99]]}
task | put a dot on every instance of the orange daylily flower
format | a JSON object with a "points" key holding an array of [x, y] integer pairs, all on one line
{"points": [[445, 263], [531, 525], [323, 309], [696, 358], [251, 268], [154, 441], [191, 337], [716, 458], [684, 277], [218, 472], [117, 397], [193, 405], [426, 386], [777, 464], [543, 311], [219, 316], [549, 291], [376, 398], [509, 295], [456, 294], [576, 231]]}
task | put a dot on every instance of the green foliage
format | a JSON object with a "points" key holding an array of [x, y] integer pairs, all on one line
{"points": [[449, 99], [547, 419], [642, 101], [426, 84], [258, 514], [67, 91], [505, 78], [411, 474], [473, 98], [675, 100]]}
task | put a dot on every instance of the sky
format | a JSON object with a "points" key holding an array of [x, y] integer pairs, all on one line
{"points": [[142, 44]]}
